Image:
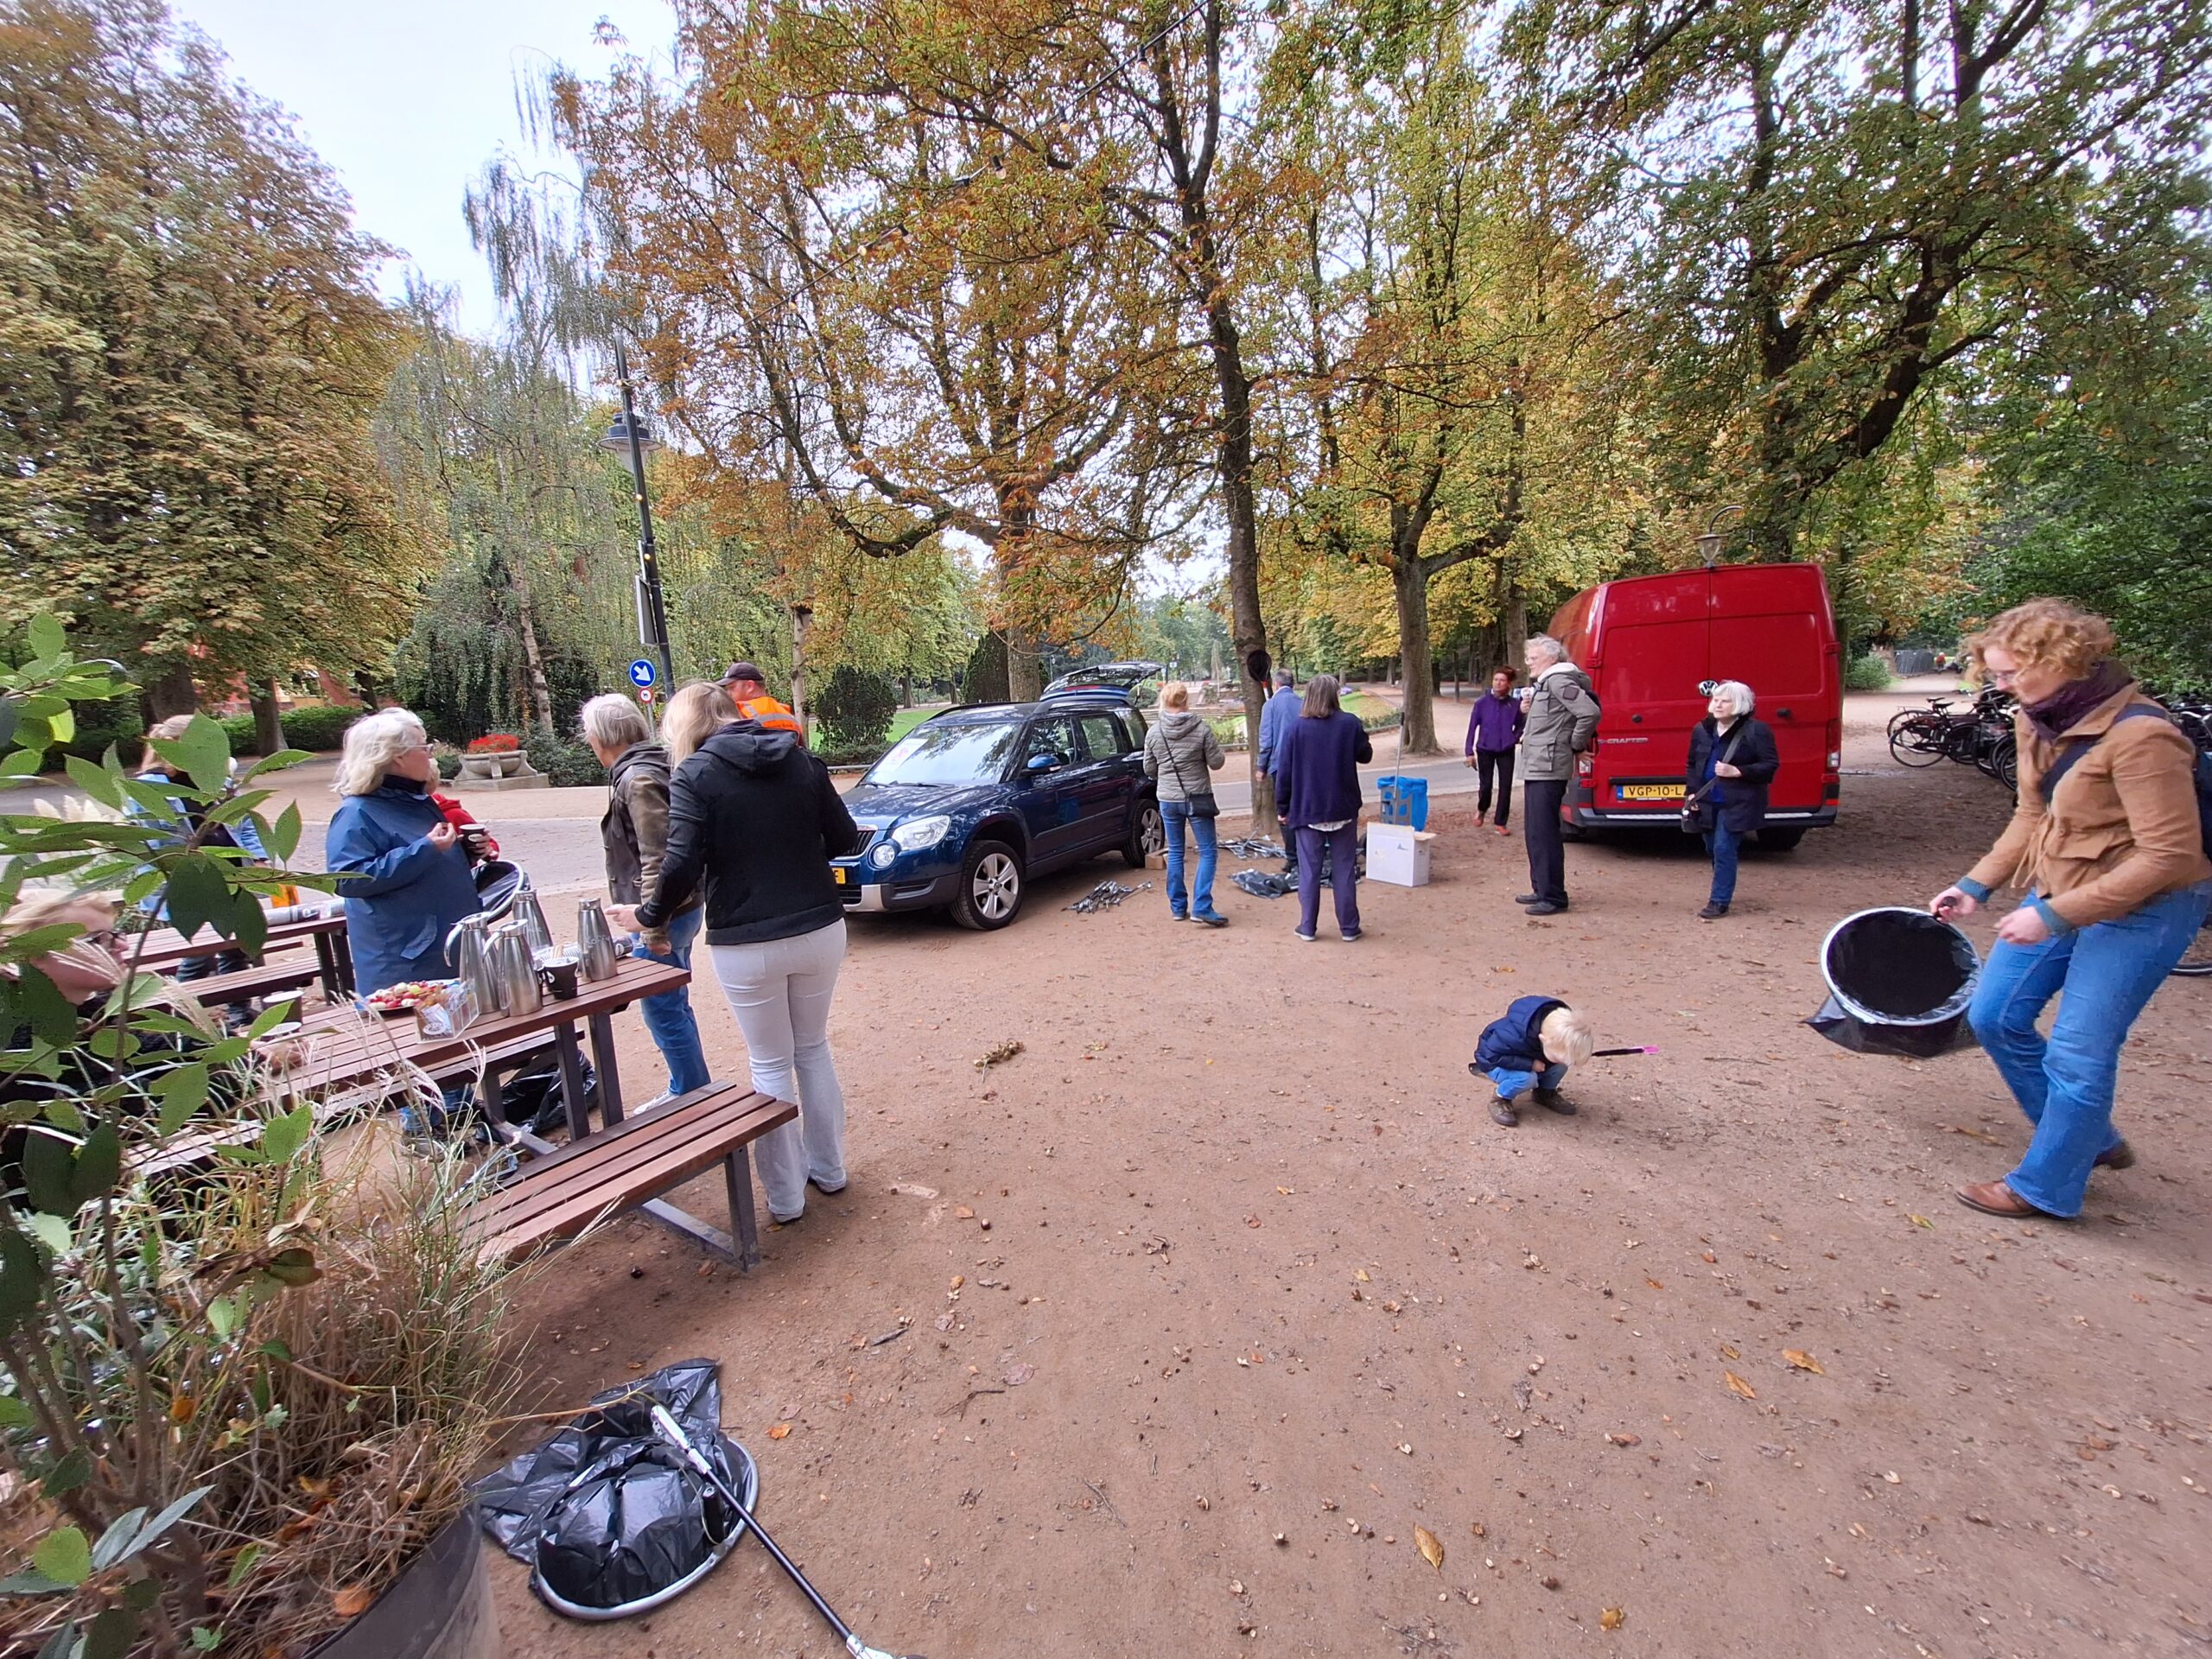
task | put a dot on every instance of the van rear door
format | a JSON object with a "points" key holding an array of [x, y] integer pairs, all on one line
{"points": [[1654, 641], [1771, 629]]}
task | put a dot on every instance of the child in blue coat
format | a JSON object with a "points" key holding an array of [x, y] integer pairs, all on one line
{"points": [[1531, 1048]]}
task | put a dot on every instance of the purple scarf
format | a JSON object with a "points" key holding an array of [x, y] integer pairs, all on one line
{"points": [[2066, 708]]}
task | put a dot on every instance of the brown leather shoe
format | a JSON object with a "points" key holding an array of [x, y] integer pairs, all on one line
{"points": [[2121, 1156], [1503, 1115], [1996, 1199]]}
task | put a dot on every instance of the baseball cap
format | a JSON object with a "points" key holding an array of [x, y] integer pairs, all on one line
{"points": [[744, 672]]}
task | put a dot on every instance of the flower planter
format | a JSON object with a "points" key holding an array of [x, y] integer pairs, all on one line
{"points": [[440, 1608], [501, 769]]}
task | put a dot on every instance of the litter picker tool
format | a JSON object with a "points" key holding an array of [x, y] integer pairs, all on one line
{"points": [[1600, 1053], [664, 1421]]}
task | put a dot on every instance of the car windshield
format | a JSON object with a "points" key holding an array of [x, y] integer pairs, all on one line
{"points": [[948, 752]]}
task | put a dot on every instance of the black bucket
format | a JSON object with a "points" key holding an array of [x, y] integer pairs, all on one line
{"points": [[1898, 982]]}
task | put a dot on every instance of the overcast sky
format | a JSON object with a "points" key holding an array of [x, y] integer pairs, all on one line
{"points": [[407, 99]]}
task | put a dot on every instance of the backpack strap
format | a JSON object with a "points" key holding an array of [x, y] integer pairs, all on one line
{"points": [[2050, 780]]}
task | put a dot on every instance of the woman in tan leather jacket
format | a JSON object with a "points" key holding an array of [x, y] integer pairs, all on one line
{"points": [[2106, 842]]}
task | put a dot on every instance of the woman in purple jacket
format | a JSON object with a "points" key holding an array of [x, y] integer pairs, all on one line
{"points": [[1492, 730], [1317, 784]]}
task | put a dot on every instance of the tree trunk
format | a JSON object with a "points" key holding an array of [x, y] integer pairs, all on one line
{"points": [[1417, 677], [907, 687], [1515, 624], [268, 719], [537, 692], [171, 692], [801, 624], [1025, 678]]}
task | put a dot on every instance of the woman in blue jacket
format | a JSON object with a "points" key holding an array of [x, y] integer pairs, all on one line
{"points": [[411, 882], [1316, 786], [1733, 759]]}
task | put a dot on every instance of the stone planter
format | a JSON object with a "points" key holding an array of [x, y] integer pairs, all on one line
{"points": [[506, 769], [440, 1607]]}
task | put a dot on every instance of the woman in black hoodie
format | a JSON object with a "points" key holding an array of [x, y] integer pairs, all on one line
{"points": [[752, 816]]}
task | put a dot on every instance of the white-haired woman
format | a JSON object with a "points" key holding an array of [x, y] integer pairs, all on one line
{"points": [[410, 873], [633, 835], [1733, 759]]}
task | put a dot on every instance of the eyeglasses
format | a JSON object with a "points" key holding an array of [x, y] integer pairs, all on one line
{"points": [[2003, 675], [106, 937]]}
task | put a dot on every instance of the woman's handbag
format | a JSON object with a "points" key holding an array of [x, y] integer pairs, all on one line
{"points": [[1201, 805], [1692, 809]]}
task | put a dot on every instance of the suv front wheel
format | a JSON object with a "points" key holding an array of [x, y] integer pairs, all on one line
{"points": [[991, 886]]}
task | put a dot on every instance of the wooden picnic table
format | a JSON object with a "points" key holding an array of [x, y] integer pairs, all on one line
{"points": [[346, 1048], [164, 948]]}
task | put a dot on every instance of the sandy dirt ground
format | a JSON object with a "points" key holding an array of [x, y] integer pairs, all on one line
{"points": [[1204, 1309]]}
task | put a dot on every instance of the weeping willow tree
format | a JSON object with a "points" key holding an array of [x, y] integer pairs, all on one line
{"points": [[494, 461]]}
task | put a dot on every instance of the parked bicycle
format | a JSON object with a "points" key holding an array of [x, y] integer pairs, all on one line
{"points": [[1978, 735]]}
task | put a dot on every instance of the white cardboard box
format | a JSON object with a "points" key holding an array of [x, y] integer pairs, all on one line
{"points": [[1398, 854]]}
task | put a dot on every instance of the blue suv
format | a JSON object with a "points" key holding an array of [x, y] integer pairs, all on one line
{"points": [[968, 805]]}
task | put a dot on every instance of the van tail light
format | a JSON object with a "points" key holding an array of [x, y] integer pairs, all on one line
{"points": [[1585, 763], [1835, 745], [1835, 760]]}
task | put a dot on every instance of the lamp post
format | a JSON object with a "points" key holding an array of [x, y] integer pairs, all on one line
{"points": [[628, 435], [1708, 544]]}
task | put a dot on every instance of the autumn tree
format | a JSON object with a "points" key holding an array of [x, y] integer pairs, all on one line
{"points": [[190, 354], [1449, 390], [1832, 212], [855, 285]]}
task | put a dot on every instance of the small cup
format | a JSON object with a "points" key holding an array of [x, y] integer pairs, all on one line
{"points": [[559, 975]]}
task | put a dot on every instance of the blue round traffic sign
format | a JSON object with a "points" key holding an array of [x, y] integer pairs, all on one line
{"points": [[642, 673]]}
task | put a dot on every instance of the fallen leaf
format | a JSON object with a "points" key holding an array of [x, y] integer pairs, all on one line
{"points": [[962, 1212], [1284, 1191], [1626, 1440], [779, 1431], [1920, 1221], [353, 1601], [1728, 1352], [1654, 1283], [1708, 1255], [1431, 1547], [999, 1054], [913, 1189], [958, 1280], [1020, 1375], [1737, 1385], [1612, 1619], [1360, 1274], [1803, 1361]]}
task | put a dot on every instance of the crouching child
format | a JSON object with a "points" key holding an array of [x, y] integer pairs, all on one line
{"points": [[1531, 1048]]}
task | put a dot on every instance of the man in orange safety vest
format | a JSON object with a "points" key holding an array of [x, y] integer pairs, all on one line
{"points": [[749, 692]]}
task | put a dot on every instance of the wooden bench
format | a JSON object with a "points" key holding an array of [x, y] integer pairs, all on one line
{"points": [[250, 984], [557, 1197]]}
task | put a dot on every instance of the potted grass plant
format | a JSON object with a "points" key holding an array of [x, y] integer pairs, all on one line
{"points": [[238, 1398]]}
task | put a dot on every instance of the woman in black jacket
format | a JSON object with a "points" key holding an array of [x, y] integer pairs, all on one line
{"points": [[1733, 759], [752, 816]]}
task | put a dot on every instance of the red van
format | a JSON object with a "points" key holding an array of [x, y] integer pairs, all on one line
{"points": [[1648, 642]]}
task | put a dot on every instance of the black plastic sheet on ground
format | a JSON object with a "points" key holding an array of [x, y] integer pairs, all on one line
{"points": [[606, 1513], [1899, 981]]}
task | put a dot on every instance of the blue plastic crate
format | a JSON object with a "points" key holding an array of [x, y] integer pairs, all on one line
{"points": [[1405, 800]]}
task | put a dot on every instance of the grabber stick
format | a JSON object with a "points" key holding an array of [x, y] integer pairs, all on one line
{"points": [[674, 1430]]}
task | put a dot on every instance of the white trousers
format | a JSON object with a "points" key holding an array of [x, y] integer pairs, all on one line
{"points": [[780, 992]]}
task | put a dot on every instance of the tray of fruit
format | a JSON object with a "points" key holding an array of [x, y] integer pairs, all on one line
{"points": [[403, 998]]}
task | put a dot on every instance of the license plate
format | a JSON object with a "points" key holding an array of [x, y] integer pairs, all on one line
{"points": [[845, 876], [1649, 792]]}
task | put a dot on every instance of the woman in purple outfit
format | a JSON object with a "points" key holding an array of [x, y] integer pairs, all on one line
{"points": [[1492, 730]]}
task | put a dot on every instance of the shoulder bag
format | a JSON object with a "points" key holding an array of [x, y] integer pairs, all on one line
{"points": [[1692, 808], [1201, 805]]}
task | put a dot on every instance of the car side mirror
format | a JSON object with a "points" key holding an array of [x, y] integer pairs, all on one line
{"points": [[1040, 763]]}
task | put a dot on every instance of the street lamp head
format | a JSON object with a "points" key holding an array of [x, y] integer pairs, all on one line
{"points": [[618, 434]]}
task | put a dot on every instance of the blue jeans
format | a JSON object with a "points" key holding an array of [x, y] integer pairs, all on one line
{"points": [[2108, 973], [1720, 845], [1512, 1084], [669, 1016], [1344, 876], [1174, 815]]}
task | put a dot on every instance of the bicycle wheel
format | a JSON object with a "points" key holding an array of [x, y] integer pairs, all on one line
{"points": [[2005, 762], [1919, 743], [2196, 961]]}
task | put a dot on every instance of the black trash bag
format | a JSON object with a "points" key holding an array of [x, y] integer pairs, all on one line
{"points": [[1260, 885], [534, 1098], [1899, 981], [606, 1513]]}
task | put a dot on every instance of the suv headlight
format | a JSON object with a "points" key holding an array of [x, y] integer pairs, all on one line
{"points": [[917, 833], [881, 856]]}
